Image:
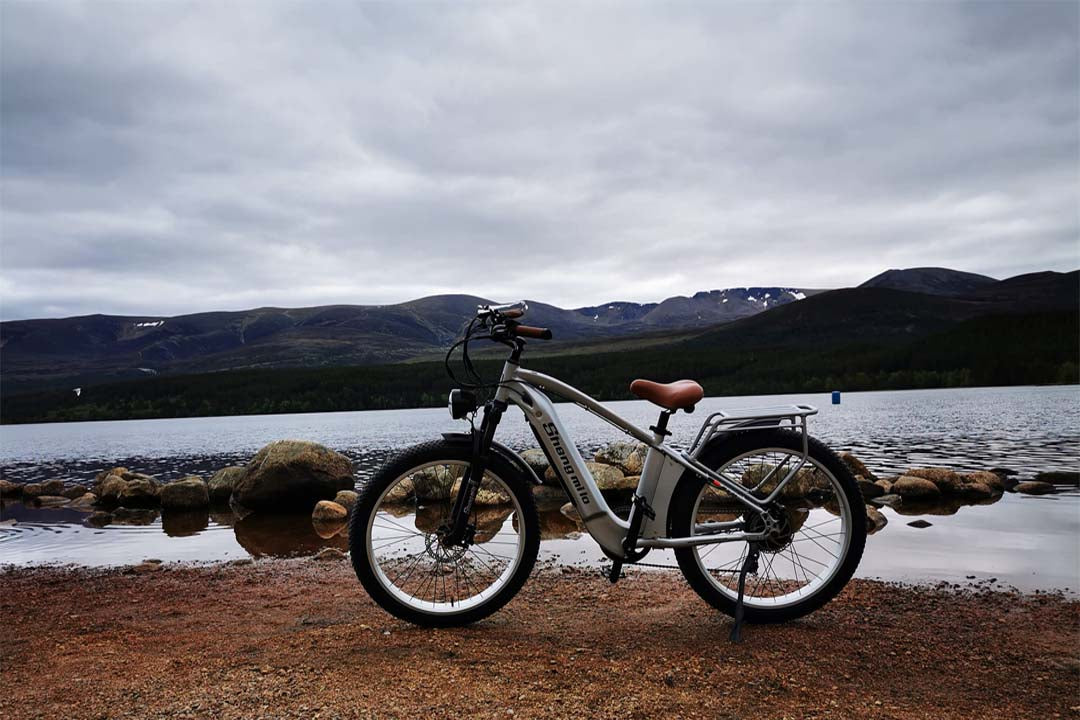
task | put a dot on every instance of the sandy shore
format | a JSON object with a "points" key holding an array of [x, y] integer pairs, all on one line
{"points": [[300, 639]]}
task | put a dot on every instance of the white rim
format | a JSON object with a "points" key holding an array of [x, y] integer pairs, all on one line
{"points": [[807, 563], [460, 588]]}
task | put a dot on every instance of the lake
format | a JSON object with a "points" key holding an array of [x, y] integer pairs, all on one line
{"points": [[1029, 542]]}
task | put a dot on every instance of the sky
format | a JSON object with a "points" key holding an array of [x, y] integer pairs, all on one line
{"points": [[160, 158]]}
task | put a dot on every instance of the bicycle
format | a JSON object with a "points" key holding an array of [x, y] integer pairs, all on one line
{"points": [[767, 524]]}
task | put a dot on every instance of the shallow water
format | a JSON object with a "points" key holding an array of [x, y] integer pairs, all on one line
{"points": [[1030, 542]]}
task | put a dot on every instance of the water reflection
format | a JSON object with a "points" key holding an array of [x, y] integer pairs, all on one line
{"points": [[268, 535]]}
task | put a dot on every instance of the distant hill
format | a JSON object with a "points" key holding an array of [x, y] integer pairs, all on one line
{"points": [[89, 350], [931, 281]]}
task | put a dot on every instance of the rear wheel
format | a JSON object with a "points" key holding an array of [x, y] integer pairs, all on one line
{"points": [[816, 531], [400, 519]]}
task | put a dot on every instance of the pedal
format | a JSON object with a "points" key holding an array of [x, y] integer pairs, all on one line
{"points": [[645, 507], [750, 565]]}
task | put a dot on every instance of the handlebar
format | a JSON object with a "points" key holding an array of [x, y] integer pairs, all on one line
{"points": [[506, 310], [529, 331]]}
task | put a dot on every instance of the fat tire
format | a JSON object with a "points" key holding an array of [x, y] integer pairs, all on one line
{"points": [[690, 484], [394, 468]]}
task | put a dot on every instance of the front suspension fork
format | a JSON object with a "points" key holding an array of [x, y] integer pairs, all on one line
{"points": [[474, 474]]}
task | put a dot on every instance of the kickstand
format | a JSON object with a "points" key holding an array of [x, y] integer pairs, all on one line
{"points": [[750, 565], [615, 572]]}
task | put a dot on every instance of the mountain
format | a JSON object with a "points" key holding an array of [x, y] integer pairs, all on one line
{"points": [[931, 281], [93, 349]]}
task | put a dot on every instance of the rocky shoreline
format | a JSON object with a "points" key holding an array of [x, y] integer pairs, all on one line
{"points": [[300, 639], [293, 476]]}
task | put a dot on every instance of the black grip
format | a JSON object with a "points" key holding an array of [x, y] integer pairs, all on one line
{"points": [[529, 331]]}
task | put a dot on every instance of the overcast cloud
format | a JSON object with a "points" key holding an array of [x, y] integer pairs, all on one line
{"points": [[169, 157]]}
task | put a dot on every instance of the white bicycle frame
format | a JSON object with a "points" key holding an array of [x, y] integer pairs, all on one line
{"points": [[662, 469]]}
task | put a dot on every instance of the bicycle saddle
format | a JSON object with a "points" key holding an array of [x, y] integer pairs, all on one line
{"points": [[678, 395]]}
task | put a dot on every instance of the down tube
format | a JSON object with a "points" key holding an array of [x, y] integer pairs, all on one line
{"points": [[604, 526]]}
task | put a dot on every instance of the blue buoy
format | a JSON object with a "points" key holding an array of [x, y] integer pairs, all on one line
{"points": [[835, 397]]}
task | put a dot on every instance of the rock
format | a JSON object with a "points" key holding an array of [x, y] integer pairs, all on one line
{"points": [[983, 477], [548, 497], [433, 483], [805, 479], [890, 500], [134, 516], [140, 492], [1034, 487], [537, 460], [627, 456], [856, 466], [330, 554], [608, 477], [10, 489], [568, 510], [31, 490], [920, 524], [915, 488], [489, 494], [85, 500], [51, 500], [885, 485], [328, 510], [1003, 472], [947, 481], [190, 493], [109, 490], [220, 487], [292, 475], [327, 529], [52, 487], [346, 499], [978, 491], [1058, 477], [74, 491], [869, 489], [875, 520], [402, 491], [98, 519], [146, 566], [100, 477]]}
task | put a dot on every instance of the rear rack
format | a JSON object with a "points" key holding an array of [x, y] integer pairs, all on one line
{"points": [[791, 417]]}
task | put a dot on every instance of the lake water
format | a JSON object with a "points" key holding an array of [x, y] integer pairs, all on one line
{"points": [[1029, 542]]}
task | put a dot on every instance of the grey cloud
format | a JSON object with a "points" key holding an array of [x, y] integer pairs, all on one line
{"points": [[173, 157]]}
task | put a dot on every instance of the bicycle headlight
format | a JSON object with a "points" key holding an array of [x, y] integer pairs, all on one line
{"points": [[462, 402]]}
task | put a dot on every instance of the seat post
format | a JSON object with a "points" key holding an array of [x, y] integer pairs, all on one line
{"points": [[660, 428]]}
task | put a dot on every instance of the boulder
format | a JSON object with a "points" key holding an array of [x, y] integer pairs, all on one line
{"points": [[856, 466], [220, 487], [885, 485], [978, 491], [915, 488], [86, 500], [1003, 472], [870, 489], [401, 492], [74, 491], [109, 491], [1058, 477], [51, 500], [804, 481], [490, 493], [118, 471], [1035, 487], [875, 520], [537, 460], [983, 477], [432, 483], [608, 477], [328, 511], [890, 500], [190, 493], [140, 492], [52, 487], [627, 456], [292, 475], [947, 481], [346, 498], [98, 519], [10, 489], [31, 490], [548, 497]]}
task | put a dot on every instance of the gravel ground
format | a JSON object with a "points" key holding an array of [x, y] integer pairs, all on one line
{"points": [[300, 639]]}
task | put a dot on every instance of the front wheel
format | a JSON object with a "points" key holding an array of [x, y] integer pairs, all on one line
{"points": [[816, 532], [400, 518]]}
